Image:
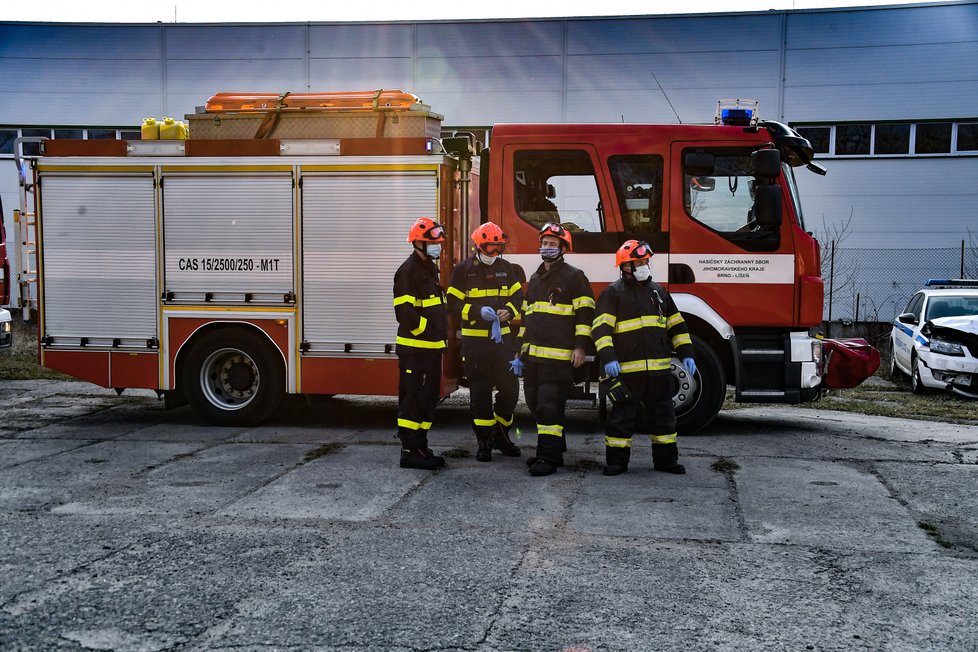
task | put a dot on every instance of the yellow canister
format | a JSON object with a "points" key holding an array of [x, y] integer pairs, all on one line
{"points": [[150, 129], [169, 130]]}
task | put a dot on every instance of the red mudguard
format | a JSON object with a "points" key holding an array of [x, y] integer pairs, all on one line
{"points": [[848, 362]]}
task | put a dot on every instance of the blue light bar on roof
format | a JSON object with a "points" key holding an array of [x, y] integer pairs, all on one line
{"points": [[951, 283], [739, 117]]}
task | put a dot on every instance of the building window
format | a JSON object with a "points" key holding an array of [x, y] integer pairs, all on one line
{"points": [[819, 137], [76, 134], [7, 137], [852, 139], [892, 139], [933, 138], [967, 137]]}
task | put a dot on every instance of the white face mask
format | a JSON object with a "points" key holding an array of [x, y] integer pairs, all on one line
{"points": [[433, 250], [642, 273], [487, 260]]}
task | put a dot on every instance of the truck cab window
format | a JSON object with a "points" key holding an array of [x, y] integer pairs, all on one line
{"points": [[638, 187], [724, 202], [557, 186]]}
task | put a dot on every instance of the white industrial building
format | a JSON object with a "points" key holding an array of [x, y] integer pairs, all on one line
{"points": [[889, 95]]}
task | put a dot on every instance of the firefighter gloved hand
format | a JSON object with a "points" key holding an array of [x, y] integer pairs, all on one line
{"points": [[516, 366], [618, 391], [612, 369], [488, 314], [690, 366]]}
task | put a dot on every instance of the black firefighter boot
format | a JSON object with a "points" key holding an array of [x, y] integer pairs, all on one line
{"points": [[421, 458], [617, 459], [665, 457], [483, 435], [502, 443]]}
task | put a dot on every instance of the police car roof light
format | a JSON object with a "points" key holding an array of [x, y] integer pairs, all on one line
{"points": [[736, 112], [951, 283]]}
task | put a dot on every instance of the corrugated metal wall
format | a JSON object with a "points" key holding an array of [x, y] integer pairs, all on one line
{"points": [[899, 63]]}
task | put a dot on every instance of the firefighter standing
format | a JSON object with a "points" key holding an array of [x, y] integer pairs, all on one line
{"points": [[422, 328], [636, 331], [484, 294], [556, 333]]}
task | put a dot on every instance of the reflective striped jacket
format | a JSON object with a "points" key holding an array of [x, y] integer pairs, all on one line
{"points": [[638, 325], [557, 314], [420, 306], [475, 285]]}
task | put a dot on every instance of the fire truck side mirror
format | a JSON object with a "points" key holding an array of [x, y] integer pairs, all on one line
{"points": [[699, 164], [767, 205], [767, 163]]}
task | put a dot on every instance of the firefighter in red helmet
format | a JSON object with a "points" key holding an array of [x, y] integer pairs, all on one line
{"points": [[556, 333], [637, 328], [485, 294], [422, 331]]}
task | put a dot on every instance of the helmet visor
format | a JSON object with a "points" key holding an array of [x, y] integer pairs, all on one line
{"points": [[552, 228], [492, 248]]}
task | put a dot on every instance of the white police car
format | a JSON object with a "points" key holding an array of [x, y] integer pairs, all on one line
{"points": [[6, 329], [935, 339]]}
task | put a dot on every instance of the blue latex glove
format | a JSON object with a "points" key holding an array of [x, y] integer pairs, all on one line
{"points": [[496, 332], [690, 366], [516, 366], [488, 314], [612, 369]]}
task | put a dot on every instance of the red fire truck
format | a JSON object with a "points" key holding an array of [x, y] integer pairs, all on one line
{"points": [[255, 259]]}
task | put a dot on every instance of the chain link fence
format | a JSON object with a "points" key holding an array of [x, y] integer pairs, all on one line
{"points": [[874, 285]]}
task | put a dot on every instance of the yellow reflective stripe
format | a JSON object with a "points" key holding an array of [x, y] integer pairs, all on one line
{"points": [[455, 292], [653, 364], [465, 310], [582, 329], [603, 342], [664, 439], [555, 309], [431, 301], [550, 353], [605, 318], [484, 422], [515, 288], [476, 293], [503, 420], [645, 321], [583, 302], [679, 340], [404, 298], [410, 425], [674, 319], [476, 332], [421, 344], [522, 331], [617, 442], [525, 347], [426, 425], [512, 309], [421, 326], [555, 430]]}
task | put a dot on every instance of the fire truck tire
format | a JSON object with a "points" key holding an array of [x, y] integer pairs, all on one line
{"points": [[233, 377], [697, 402]]}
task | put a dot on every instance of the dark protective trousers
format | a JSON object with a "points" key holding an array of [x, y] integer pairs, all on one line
{"points": [[650, 411], [546, 388], [420, 385], [487, 371]]}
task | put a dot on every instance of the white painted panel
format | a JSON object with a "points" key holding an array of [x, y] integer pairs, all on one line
{"points": [[916, 101], [677, 70], [228, 233], [249, 75], [92, 108], [881, 65], [99, 253], [894, 26], [67, 42], [365, 74], [353, 233], [69, 76], [487, 108], [235, 41], [477, 39], [649, 106], [367, 41], [721, 34], [499, 73]]}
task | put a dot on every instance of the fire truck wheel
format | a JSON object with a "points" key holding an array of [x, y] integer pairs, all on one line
{"points": [[698, 399], [233, 377]]}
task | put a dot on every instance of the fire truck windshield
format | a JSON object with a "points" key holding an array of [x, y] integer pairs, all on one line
{"points": [[789, 176]]}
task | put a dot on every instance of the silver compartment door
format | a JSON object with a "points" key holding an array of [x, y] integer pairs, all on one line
{"points": [[99, 258], [228, 236], [354, 234]]}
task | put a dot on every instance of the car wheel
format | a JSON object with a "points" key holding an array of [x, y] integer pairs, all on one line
{"points": [[894, 369], [233, 377], [916, 385]]}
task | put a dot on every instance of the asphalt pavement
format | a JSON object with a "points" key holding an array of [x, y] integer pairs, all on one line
{"points": [[128, 527]]}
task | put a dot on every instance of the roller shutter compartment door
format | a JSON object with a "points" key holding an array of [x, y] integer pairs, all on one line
{"points": [[99, 258], [354, 228], [228, 235]]}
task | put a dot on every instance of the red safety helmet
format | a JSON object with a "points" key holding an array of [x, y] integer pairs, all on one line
{"points": [[426, 229], [489, 239], [633, 251], [556, 230]]}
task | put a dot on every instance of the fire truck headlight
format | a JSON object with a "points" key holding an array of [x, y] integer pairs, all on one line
{"points": [[817, 353], [5, 327]]}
